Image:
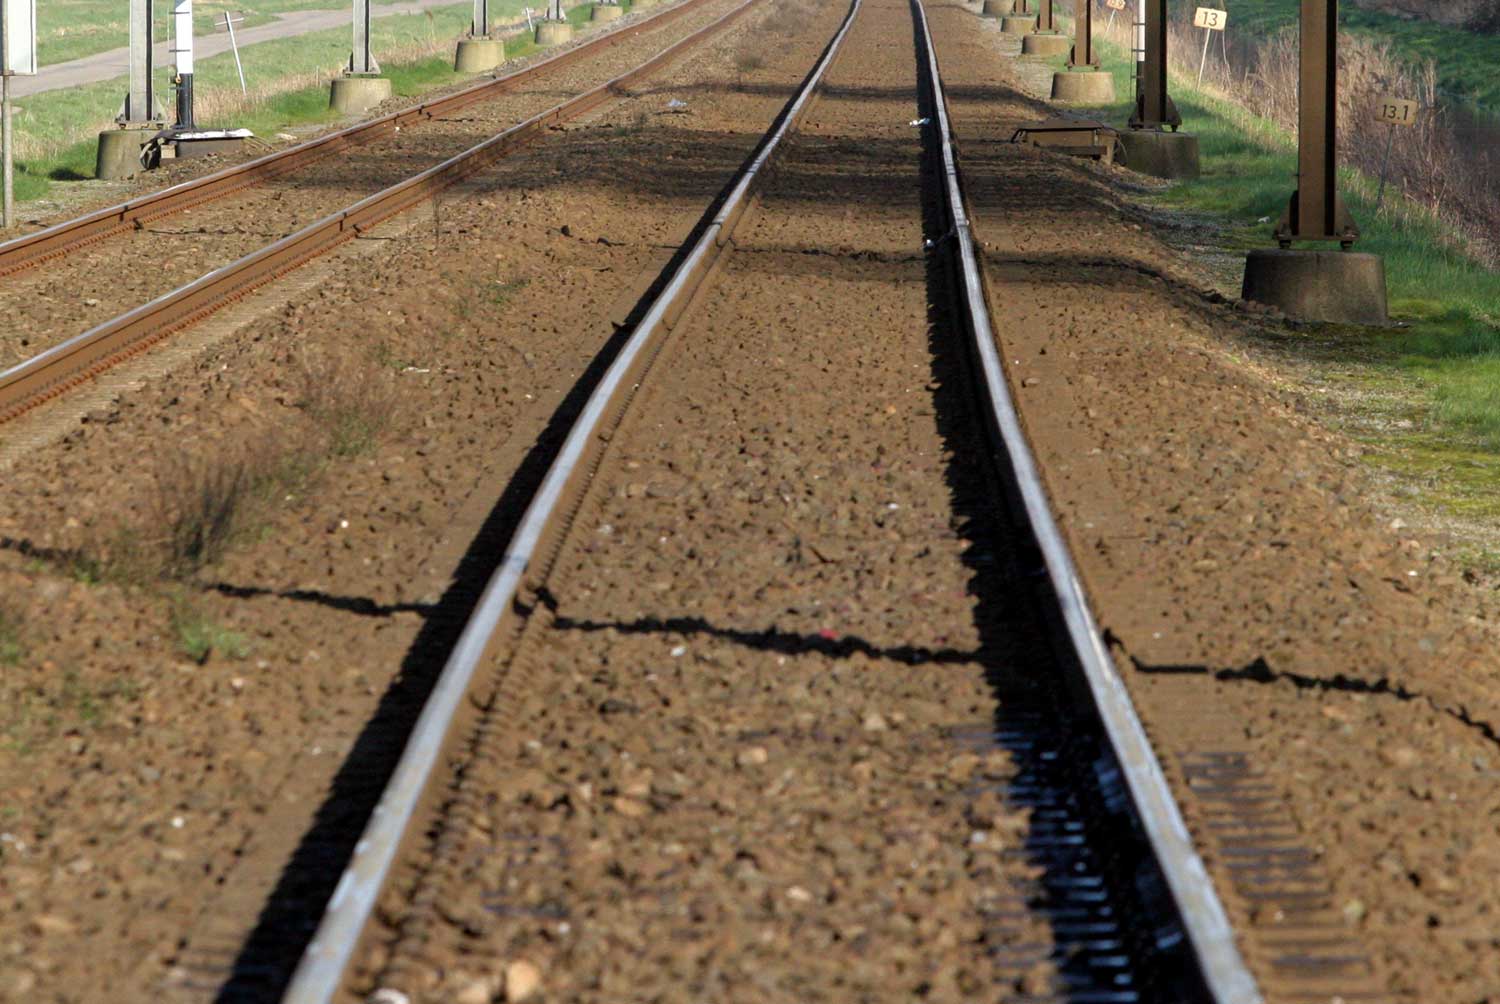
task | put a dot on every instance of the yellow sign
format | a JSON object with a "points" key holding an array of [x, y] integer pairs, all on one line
{"points": [[1397, 111], [1213, 20], [1115, 4]]}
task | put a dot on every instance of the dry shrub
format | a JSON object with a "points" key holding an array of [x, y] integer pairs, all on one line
{"points": [[350, 399]]}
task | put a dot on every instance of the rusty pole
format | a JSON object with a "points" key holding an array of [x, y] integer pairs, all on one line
{"points": [[1045, 25], [1083, 35], [1153, 105], [1317, 212]]}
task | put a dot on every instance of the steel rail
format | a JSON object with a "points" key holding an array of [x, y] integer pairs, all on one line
{"points": [[66, 237], [84, 356], [1223, 969], [321, 969]]}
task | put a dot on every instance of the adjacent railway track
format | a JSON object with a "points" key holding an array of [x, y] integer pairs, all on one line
{"points": [[82, 357], [1116, 905], [67, 237]]}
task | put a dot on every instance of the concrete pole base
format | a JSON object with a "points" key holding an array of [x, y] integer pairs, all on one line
{"points": [[119, 154], [1055, 44], [1083, 87], [352, 95], [553, 32], [1344, 287], [1160, 154], [996, 8], [476, 55], [1018, 24], [606, 12]]}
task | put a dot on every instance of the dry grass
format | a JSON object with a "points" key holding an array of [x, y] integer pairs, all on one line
{"points": [[1459, 186], [202, 503]]}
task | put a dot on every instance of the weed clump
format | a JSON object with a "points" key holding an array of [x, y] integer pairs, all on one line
{"points": [[351, 402], [12, 633], [200, 636]]}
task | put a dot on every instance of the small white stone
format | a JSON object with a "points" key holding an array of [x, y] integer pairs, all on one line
{"points": [[522, 981], [178, 822]]}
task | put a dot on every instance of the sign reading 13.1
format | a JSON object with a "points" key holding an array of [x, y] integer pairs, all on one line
{"points": [[1396, 111], [1208, 17]]}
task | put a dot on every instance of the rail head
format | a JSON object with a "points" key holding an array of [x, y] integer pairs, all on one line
{"points": [[322, 967], [1226, 977]]}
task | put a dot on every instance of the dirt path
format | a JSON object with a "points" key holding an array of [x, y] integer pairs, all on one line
{"points": [[173, 824], [1256, 602]]}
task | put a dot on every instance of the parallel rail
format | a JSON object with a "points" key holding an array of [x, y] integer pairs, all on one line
{"points": [[1218, 967], [84, 356], [321, 970], [1222, 969], [67, 237]]}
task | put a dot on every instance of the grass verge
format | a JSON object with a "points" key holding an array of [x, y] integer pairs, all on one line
{"points": [[1424, 396], [1466, 59]]}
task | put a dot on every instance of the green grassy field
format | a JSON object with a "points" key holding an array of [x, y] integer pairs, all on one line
{"points": [[1466, 60], [288, 81], [68, 29], [1435, 378]]}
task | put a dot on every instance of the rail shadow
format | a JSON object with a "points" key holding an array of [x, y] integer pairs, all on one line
{"points": [[771, 639], [1080, 831], [1260, 671], [292, 911]]}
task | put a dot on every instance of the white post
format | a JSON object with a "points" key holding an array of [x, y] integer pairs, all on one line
{"points": [[8, 216], [140, 100], [182, 58], [361, 59], [229, 25], [8, 198], [1207, 35]]}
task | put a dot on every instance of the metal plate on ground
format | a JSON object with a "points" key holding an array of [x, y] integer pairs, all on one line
{"points": [[1076, 137]]}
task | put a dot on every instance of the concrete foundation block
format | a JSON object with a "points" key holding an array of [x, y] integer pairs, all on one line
{"points": [[997, 8], [1052, 44], [1083, 87], [1159, 153], [606, 12], [119, 153], [477, 55], [553, 33], [1344, 287], [351, 95], [1018, 24]]}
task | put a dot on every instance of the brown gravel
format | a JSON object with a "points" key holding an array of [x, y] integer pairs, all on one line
{"points": [[345, 587], [1234, 553], [725, 764]]}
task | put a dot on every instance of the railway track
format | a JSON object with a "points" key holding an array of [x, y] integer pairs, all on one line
{"points": [[1096, 892], [77, 359]]}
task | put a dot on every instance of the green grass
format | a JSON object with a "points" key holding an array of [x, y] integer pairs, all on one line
{"points": [[1436, 379], [199, 636], [1466, 60], [12, 640]]}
